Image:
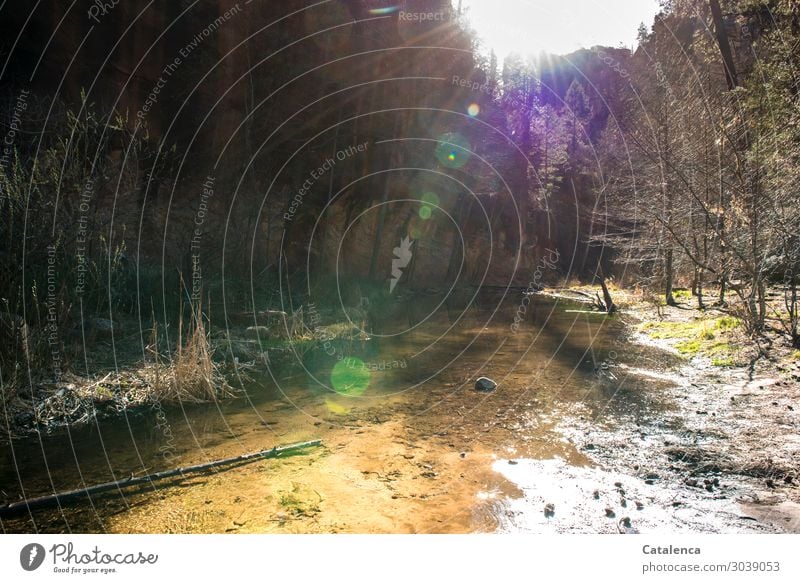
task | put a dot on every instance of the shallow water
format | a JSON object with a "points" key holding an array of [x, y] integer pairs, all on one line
{"points": [[419, 440]]}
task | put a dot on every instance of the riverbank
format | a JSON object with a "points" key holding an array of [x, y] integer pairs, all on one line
{"points": [[601, 417], [111, 372], [727, 450]]}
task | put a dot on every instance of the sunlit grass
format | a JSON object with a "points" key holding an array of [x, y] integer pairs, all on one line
{"points": [[191, 373], [723, 362], [728, 323], [703, 336]]}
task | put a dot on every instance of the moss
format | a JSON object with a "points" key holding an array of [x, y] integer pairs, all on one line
{"points": [[268, 343], [299, 503], [689, 347], [674, 330], [682, 294], [726, 361], [702, 336], [720, 348], [727, 323]]}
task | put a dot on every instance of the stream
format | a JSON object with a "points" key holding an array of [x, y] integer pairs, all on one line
{"points": [[408, 444]]}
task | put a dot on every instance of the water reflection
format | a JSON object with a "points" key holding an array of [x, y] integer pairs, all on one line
{"points": [[548, 366]]}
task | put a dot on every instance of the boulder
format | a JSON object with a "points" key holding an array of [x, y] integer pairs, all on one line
{"points": [[257, 332], [241, 350], [485, 385]]}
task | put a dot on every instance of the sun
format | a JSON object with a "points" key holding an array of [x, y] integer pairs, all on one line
{"points": [[529, 27]]}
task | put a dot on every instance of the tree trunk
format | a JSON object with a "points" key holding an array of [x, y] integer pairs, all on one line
{"points": [[793, 316], [669, 276], [607, 300], [762, 304], [610, 306], [699, 284], [724, 45], [373, 263]]}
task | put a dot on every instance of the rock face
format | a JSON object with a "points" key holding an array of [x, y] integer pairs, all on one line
{"points": [[353, 235], [349, 218], [485, 385]]}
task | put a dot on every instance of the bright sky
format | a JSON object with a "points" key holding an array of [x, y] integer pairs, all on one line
{"points": [[557, 26]]}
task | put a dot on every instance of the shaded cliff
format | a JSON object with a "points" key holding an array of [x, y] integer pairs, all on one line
{"points": [[308, 136]]}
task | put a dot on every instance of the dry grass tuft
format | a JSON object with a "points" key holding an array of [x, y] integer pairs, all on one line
{"points": [[191, 375]]}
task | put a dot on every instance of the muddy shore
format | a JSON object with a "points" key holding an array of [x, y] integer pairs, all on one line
{"points": [[723, 456]]}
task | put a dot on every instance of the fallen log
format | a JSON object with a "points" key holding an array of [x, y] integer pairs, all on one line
{"points": [[567, 295], [52, 499]]}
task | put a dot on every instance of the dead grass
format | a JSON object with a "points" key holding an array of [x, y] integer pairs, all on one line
{"points": [[191, 373]]}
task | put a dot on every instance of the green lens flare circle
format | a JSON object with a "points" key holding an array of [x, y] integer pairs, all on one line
{"points": [[453, 150], [430, 198], [350, 377], [429, 201]]}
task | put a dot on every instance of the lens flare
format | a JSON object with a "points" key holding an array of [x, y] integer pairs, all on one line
{"points": [[453, 150], [350, 377], [429, 202], [473, 109], [382, 11], [336, 408]]}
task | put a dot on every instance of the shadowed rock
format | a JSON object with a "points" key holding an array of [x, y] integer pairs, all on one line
{"points": [[485, 385]]}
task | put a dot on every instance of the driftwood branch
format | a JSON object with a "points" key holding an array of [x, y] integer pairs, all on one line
{"points": [[607, 301], [32, 503], [571, 295], [606, 304]]}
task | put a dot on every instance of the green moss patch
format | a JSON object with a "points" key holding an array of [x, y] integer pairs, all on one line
{"points": [[702, 336]]}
